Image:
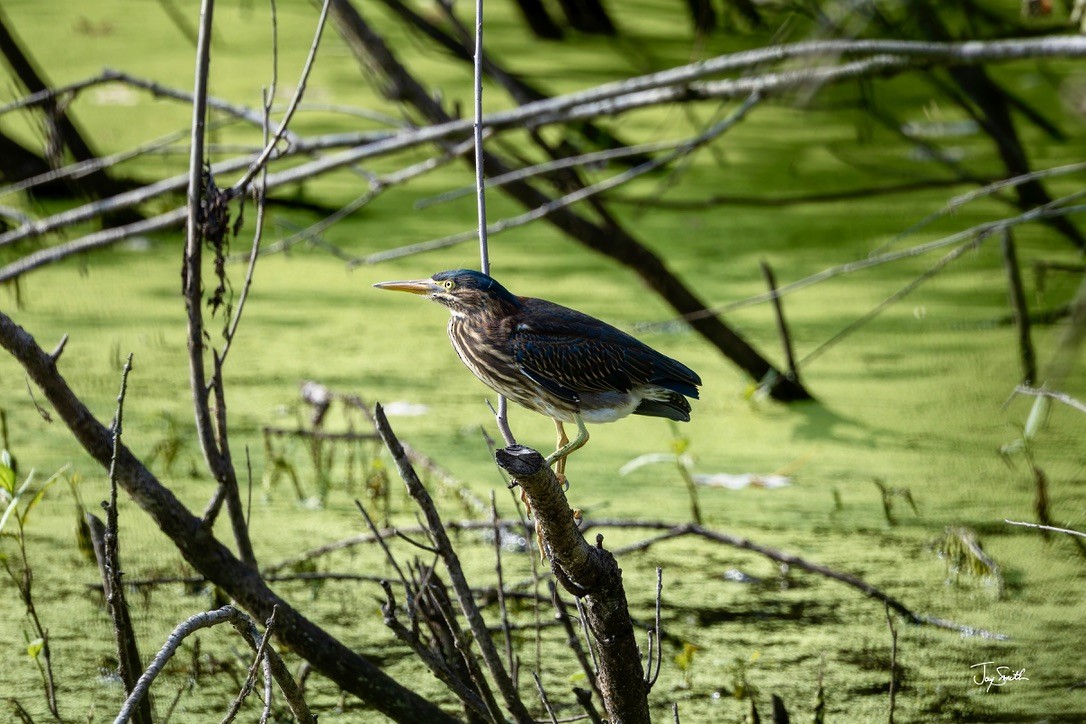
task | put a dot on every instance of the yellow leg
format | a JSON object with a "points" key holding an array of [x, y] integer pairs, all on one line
{"points": [[560, 468], [565, 446]]}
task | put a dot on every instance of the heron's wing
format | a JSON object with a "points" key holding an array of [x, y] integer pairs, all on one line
{"points": [[570, 354]]}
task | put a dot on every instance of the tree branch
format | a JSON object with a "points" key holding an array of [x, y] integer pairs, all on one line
{"points": [[206, 554], [590, 573]]}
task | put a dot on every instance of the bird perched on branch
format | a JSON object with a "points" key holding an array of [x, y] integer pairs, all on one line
{"points": [[554, 360]]}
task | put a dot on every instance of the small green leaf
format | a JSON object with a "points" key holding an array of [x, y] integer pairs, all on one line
{"points": [[7, 474], [685, 659], [34, 647], [41, 493]]}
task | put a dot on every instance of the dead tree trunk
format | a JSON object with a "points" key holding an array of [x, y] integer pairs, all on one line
{"points": [[703, 15], [588, 16], [539, 20], [67, 133]]}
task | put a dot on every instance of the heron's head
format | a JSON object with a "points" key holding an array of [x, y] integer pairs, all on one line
{"points": [[463, 291]]}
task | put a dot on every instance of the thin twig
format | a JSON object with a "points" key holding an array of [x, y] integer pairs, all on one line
{"points": [[501, 417], [377, 186], [587, 638], [128, 658], [409, 591], [1068, 531], [543, 698], [794, 561], [897, 296], [979, 231], [989, 189], [1019, 308], [782, 326], [432, 662], [250, 679], [191, 273], [291, 691], [510, 658], [110, 75], [477, 131], [260, 194], [573, 642], [438, 596], [652, 674], [80, 169], [1053, 394], [574, 196], [215, 447], [456, 574], [893, 662], [173, 641], [584, 698], [591, 158], [242, 183]]}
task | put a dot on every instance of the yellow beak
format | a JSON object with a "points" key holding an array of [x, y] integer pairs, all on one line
{"points": [[417, 286]]}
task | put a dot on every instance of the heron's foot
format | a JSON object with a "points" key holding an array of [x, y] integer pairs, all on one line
{"points": [[538, 530], [539, 542], [527, 503], [559, 464]]}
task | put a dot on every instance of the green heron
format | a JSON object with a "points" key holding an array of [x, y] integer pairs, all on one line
{"points": [[554, 360]]}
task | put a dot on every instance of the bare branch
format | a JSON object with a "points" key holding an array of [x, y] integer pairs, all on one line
{"points": [[510, 657], [1068, 531], [456, 574], [573, 642], [573, 197], [979, 231], [206, 554], [435, 664], [1053, 394], [299, 91], [608, 99], [794, 561], [128, 657], [543, 698], [250, 678], [173, 642]]}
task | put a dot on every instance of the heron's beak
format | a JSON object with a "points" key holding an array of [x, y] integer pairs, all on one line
{"points": [[418, 286]]}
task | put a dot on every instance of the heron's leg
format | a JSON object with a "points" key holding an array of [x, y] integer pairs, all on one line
{"points": [[560, 468], [568, 447]]}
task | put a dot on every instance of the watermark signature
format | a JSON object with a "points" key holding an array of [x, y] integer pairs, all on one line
{"points": [[991, 675]]}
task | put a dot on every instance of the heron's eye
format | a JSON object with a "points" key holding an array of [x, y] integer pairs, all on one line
{"points": [[449, 284]]}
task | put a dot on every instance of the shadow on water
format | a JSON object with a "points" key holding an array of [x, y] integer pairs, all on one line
{"points": [[764, 610], [818, 423]]}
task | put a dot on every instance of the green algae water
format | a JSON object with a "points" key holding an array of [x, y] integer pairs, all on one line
{"points": [[914, 405]]}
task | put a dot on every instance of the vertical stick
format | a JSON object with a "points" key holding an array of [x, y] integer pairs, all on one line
{"points": [[128, 655], [893, 662], [1019, 309], [194, 237], [782, 327], [480, 191]]}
